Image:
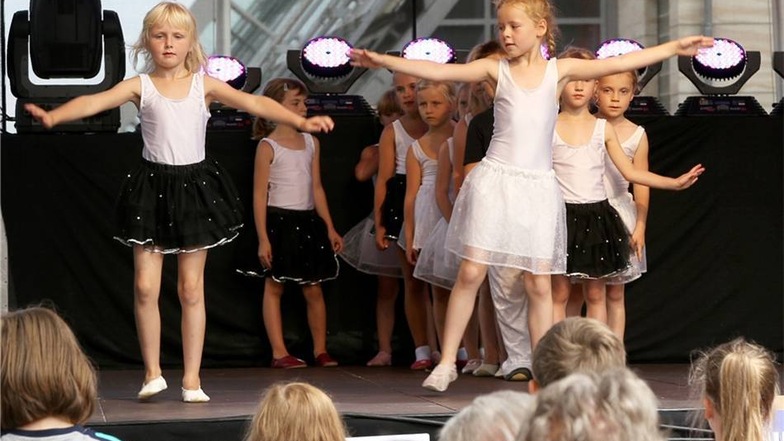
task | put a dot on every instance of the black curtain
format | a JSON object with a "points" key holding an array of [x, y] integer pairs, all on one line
{"points": [[714, 251]]}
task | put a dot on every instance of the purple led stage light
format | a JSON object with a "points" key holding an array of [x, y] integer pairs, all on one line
{"points": [[227, 69], [326, 57], [432, 49], [724, 61], [617, 46]]}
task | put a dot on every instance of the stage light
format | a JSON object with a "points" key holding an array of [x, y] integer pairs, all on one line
{"points": [[227, 69], [234, 73], [640, 105], [323, 65], [778, 67], [726, 62], [431, 49]]}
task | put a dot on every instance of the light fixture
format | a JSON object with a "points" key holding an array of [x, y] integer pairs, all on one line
{"points": [[234, 73], [778, 66], [431, 49], [324, 66], [640, 105], [726, 62]]}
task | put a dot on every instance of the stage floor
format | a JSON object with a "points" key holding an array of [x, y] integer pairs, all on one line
{"points": [[389, 392]]}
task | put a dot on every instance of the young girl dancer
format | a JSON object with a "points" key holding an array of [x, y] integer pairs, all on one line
{"points": [[509, 211], [162, 206], [297, 241], [436, 102], [614, 93], [359, 244], [597, 241], [388, 208], [737, 382]]}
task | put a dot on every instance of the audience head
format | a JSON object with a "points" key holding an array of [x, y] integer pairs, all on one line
{"points": [[498, 416], [576, 344], [44, 372], [737, 382], [296, 411], [628, 407], [566, 410]]}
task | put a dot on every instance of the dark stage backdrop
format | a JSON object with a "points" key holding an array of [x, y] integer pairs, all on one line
{"points": [[714, 251]]}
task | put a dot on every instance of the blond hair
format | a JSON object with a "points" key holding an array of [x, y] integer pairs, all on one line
{"points": [[497, 416], [628, 406], [177, 16], [447, 88], [576, 344], [537, 10], [43, 370], [580, 53], [276, 89], [741, 380], [296, 411], [567, 410], [486, 49]]}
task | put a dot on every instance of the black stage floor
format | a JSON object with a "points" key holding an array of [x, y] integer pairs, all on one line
{"points": [[373, 400]]}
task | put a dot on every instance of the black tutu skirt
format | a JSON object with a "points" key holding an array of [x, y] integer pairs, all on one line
{"points": [[178, 208], [597, 241], [392, 208], [301, 250]]}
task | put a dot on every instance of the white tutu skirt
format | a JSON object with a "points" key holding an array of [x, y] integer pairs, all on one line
{"points": [[435, 264], [507, 216], [626, 208], [360, 251], [426, 215]]}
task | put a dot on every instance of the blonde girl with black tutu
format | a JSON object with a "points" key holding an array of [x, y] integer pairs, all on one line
{"points": [[178, 201], [297, 241], [597, 244]]}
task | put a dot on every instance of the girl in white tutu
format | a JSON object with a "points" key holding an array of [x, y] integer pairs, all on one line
{"points": [[510, 211], [359, 244], [436, 101]]}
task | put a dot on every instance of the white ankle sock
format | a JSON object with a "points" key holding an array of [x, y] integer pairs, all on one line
{"points": [[422, 352], [462, 354]]}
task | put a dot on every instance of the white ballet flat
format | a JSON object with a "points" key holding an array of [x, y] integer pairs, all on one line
{"points": [[194, 396], [152, 388], [439, 379]]}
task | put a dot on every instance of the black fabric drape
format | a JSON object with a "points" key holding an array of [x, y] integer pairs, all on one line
{"points": [[714, 251]]}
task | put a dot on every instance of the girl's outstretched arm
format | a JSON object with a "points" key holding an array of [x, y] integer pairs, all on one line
{"points": [[443, 179], [262, 106], [261, 174], [470, 72], [642, 197], [643, 177], [413, 181], [368, 163], [88, 105], [320, 201], [571, 69]]}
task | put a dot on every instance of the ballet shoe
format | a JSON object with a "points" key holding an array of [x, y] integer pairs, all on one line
{"points": [[194, 396], [152, 388], [439, 379]]}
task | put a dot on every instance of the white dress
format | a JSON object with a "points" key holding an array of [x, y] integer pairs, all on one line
{"points": [[435, 264], [617, 188], [510, 210], [426, 213]]}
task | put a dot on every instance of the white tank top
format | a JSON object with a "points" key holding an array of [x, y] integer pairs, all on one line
{"points": [[524, 120], [173, 130], [451, 145], [428, 165], [614, 183], [579, 169], [402, 142], [291, 178]]}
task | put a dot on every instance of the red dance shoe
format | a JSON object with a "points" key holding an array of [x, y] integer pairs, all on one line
{"points": [[288, 362], [324, 360], [422, 365]]}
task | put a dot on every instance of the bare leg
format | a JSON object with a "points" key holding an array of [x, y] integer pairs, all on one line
{"points": [[146, 291], [561, 288], [574, 307], [540, 306], [440, 302], [596, 300], [385, 311], [416, 300], [471, 337], [460, 307], [616, 309], [317, 317], [487, 326], [190, 289], [273, 322]]}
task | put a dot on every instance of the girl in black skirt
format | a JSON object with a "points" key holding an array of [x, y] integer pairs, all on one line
{"points": [[178, 200], [597, 241], [296, 239]]}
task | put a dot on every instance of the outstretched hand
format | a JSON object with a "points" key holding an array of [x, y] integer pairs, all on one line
{"points": [[40, 114], [690, 46], [688, 179], [318, 124], [365, 58]]}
